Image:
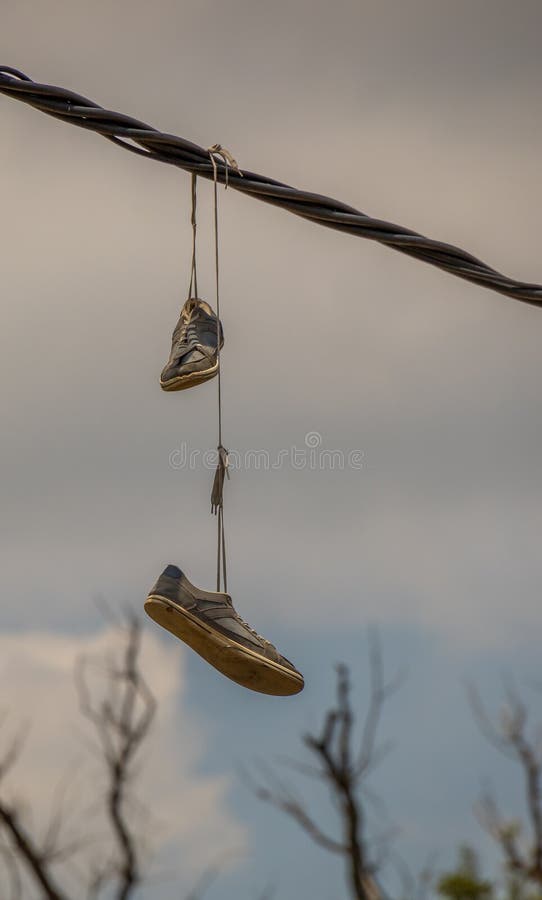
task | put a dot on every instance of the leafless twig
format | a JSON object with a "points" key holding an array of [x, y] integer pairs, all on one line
{"points": [[21, 843], [122, 715], [12, 868], [510, 736], [122, 720], [343, 766]]}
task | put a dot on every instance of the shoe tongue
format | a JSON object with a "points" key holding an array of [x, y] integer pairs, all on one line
{"points": [[204, 307], [190, 306]]}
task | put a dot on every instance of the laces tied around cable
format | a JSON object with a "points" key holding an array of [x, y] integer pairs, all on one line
{"points": [[227, 159]]}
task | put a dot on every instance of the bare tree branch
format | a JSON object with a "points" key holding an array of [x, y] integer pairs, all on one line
{"points": [[490, 731], [297, 812], [12, 753], [122, 720], [10, 862], [511, 738], [380, 692], [121, 715], [206, 879], [36, 863], [416, 886], [343, 769], [504, 833], [22, 845]]}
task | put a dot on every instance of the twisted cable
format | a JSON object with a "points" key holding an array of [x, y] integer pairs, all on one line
{"points": [[144, 140]]}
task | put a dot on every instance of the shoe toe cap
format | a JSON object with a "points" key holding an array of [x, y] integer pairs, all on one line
{"points": [[168, 374]]}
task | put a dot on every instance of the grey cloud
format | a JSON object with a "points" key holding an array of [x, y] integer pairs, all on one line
{"points": [[434, 380]]}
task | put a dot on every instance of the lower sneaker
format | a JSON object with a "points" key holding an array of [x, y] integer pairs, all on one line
{"points": [[209, 624], [194, 347]]}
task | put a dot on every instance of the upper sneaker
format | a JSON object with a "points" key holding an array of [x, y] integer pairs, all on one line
{"points": [[208, 622], [194, 347]]}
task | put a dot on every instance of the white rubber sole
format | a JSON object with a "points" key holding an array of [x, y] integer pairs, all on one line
{"points": [[233, 660], [181, 382]]}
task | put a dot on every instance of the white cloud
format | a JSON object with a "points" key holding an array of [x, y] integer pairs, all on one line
{"points": [[183, 816]]}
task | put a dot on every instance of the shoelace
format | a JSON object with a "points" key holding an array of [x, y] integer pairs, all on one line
{"points": [[252, 630], [191, 334], [188, 336], [187, 319]]}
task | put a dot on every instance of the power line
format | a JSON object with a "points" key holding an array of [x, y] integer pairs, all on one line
{"points": [[140, 138]]}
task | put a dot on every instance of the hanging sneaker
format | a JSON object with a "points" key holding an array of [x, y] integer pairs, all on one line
{"points": [[208, 623], [194, 356]]}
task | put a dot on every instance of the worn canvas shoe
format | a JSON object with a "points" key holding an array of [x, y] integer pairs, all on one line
{"points": [[194, 349], [208, 623]]}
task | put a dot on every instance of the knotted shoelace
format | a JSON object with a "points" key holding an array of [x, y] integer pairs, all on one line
{"points": [[187, 338]]}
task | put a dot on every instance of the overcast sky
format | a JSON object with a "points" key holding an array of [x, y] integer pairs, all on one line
{"points": [[425, 112]]}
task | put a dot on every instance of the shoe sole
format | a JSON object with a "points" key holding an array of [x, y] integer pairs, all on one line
{"points": [[237, 662], [181, 382]]}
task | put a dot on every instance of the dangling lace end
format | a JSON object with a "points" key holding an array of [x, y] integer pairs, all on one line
{"points": [[222, 472]]}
